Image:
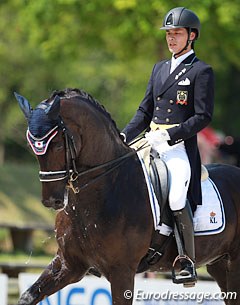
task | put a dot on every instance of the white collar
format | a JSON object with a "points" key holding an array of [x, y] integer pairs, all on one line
{"points": [[176, 61]]}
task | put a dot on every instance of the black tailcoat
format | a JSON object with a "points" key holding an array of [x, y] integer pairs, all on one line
{"points": [[184, 97]]}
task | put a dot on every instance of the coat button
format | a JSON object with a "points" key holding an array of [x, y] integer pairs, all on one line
{"points": [[169, 110], [167, 120], [155, 118], [157, 108], [158, 98], [171, 101]]}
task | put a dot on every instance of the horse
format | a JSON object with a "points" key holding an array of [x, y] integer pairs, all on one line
{"points": [[104, 223]]}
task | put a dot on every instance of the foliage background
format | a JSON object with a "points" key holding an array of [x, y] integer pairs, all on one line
{"points": [[108, 48]]}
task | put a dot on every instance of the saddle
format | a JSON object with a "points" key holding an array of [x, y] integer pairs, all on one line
{"points": [[158, 172], [159, 177]]}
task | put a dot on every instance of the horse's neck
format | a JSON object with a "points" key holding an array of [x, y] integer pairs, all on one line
{"points": [[99, 137], [102, 143], [103, 150]]}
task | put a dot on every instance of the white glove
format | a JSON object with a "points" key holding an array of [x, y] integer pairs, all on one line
{"points": [[157, 137]]}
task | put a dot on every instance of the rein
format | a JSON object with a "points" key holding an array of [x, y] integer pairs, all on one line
{"points": [[71, 172]]}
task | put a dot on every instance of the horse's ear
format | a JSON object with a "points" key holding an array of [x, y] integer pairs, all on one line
{"points": [[53, 110], [24, 105]]}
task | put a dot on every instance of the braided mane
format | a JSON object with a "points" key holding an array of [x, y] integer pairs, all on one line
{"points": [[71, 93]]}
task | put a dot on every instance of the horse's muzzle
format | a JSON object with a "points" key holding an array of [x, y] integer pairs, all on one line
{"points": [[53, 203]]}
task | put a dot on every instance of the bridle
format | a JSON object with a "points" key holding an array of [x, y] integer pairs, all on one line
{"points": [[71, 173]]}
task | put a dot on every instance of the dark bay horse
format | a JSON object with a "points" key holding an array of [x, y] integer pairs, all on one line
{"points": [[104, 219]]}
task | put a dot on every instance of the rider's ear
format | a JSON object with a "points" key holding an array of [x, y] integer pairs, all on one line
{"points": [[53, 110], [24, 105]]}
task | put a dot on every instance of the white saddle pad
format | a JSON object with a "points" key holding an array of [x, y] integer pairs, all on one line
{"points": [[209, 218]]}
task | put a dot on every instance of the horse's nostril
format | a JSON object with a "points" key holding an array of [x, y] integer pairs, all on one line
{"points": [[53, 203]]}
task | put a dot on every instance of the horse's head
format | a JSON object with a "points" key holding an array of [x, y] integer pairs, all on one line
{"points": [[54, 147], [72, 136]]}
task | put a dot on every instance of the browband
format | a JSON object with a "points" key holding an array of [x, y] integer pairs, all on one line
{"points": [[40, 145]]}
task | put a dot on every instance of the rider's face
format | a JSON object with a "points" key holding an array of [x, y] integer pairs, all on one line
{"points": [[177, 39]]}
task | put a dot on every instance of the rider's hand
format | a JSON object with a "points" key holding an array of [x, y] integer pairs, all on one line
{"points": [[157, 137]]}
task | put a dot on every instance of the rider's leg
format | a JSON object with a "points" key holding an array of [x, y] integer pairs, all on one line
{"points": [[180, 172], [184, 223]]}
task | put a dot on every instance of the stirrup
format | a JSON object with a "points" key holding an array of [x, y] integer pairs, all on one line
{"points": [[189, 280]]}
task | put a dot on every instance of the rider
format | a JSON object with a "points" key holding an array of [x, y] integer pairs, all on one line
{"points": [[178, 103]]}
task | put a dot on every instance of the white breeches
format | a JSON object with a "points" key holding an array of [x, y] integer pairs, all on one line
{"points": [[178, 165]]}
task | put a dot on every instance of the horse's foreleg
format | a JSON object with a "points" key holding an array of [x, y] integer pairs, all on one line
{"points": [[56, 276], [122, 285]]}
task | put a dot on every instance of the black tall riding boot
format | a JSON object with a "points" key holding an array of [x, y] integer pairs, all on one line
{"points": [[184, 223]]}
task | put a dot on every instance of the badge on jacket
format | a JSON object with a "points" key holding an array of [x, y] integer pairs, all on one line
{"points": [[182, 97]]}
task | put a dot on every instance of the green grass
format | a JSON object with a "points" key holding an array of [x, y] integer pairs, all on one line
{"points": [[20, 196]]}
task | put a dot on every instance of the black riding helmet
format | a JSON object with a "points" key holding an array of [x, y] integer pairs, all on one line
{"points": [[180, 17]]}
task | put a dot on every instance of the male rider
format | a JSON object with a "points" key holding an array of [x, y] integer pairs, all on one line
{"points": [[178, 104]]}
